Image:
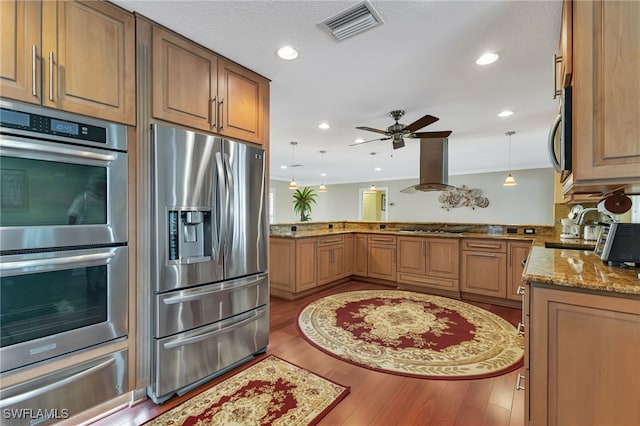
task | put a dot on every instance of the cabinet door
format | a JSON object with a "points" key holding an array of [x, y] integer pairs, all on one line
{"points": [[242, 103], [606, 92], [584, 359], [360, 255], [282, 270], [305, 264], [88, 55], [517, 253], [382, 261], [184, 82], [20, 50], [348, 255], [324, 265], [442, 258], [411, 255], [484, 273]]}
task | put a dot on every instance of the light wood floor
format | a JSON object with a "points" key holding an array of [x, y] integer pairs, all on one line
{"points": [[376, 398]]}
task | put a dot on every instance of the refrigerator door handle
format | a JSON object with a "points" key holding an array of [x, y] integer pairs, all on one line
{"points": [[219, 232], [230, 203]]}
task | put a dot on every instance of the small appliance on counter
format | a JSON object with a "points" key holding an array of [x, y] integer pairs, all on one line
{"points": [[570, 229], [619, 244]]}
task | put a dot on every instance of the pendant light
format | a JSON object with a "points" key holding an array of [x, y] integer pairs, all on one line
{"points": [[322, 187], [293, 184], [372, 188], [510, 181]]}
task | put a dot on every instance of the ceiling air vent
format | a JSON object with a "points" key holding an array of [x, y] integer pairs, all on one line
{"points": [[352, 21]]}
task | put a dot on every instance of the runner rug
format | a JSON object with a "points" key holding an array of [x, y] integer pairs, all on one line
{"points": [[412, 334], [271, 392]]}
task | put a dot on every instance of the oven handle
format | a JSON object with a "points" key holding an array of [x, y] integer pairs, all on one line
{"points": [[195, 339], [6, 402], [67, 260], [75, 153], [552, 151]]}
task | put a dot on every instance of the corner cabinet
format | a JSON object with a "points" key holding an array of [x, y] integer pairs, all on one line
{"points": [[194, 87], [583, 351], [606, 96], [70, 55], [429, 263], [292, 266]]}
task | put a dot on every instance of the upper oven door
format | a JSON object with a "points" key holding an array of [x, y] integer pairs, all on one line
{"points": [[56, 194]]}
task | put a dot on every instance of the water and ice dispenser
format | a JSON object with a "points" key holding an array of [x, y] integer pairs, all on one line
{"points": [[189, 236]]}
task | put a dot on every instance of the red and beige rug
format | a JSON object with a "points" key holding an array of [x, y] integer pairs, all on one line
{"points": [[412, 334], [271, 392]]}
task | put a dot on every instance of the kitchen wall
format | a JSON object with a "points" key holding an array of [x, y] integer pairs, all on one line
{"points": [[529, 202]]}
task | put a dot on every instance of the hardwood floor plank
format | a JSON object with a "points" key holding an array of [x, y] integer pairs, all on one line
{"points": [[376, 398]]}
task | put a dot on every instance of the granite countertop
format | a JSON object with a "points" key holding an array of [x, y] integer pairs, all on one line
{"points": [[325, 232], [579, 269]]}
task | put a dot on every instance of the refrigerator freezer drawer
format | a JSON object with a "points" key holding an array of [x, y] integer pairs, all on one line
{"points": [[186, 358], [184, 310], [63, 394]]}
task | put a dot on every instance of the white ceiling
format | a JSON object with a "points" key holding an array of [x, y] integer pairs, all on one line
{"points": [[422, 60]]}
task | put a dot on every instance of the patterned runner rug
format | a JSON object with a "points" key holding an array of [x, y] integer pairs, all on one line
{"points": [[412, 334], [271, 392]]}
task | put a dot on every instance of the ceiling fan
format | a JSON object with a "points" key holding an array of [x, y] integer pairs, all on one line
{"points": [[397, 132]]}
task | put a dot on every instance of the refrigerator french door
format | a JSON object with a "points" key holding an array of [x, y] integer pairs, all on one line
{"points": [[209, 283]]}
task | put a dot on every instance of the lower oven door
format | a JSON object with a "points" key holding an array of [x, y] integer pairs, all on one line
{"points": [[187, 358], [54, 303]]}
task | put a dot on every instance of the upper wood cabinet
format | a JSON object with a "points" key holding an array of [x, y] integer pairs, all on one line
{"points": [[194, 87], [606, 96], [70, 55]]}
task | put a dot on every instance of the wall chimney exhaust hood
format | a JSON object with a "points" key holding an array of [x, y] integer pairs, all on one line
{"points": [[434, 166]]}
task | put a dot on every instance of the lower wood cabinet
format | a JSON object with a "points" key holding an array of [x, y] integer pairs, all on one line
{"points": [[360, 255], [430, 263], [292, 266], [330, 259], [517, 253], [381, 257], [484, 268], [583, 358]]}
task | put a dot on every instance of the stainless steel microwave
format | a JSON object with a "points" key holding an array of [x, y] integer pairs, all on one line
{"points": [[560, 137]]}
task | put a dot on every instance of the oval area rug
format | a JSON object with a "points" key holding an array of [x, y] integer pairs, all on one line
{"points": [[412, 334]]}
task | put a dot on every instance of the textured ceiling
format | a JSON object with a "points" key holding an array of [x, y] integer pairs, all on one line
{"points": [[422, 60]]}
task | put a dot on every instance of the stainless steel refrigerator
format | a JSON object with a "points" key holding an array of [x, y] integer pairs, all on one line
{"points": [[209, 263]]}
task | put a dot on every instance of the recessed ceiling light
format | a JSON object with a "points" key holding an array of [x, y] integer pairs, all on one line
{"points": [[283, 167], [359, 140], [377, 169], [487, 58], [323, 126], [505, 113], [323, 174], [288, 53]]}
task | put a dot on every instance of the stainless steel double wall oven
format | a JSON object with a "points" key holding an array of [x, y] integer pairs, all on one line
{"points": [[63, 234]]}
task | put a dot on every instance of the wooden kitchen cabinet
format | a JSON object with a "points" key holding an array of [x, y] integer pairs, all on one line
{"points": [[70, 55], [195, 87], [348, 255], [517, 253], [606, 96], [330, 259], [484, 268], [381, 262], [583, 358], [360, 255], [429, 263], [292, 266]]}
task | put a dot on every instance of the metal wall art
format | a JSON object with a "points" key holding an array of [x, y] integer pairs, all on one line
{"points": [[462, 197]]}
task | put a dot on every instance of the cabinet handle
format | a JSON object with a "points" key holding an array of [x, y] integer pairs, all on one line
{"points": [[518, 382], [34, 54], [51, 76], [486, 246], [520, 290], [329, 241], [521, 328], [556, 60], [221, 114], [213, 106], [523, 262]]}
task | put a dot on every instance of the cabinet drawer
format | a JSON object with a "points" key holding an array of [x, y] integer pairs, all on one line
{"points": [[330, 239], [424, 281], [485, 245], [382, 239]]}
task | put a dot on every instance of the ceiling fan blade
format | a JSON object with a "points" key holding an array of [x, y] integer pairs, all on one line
{"points": [[371, 129], [372, 140], [428, 135], [421, 122]]}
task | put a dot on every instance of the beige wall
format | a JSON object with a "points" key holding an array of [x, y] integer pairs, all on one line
{"points": [[529, 202]]}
